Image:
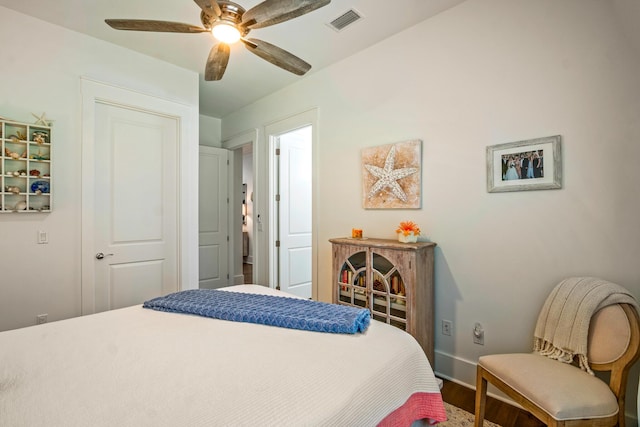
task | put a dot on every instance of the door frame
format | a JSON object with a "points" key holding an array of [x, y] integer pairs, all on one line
{"points": [[271, 132], [93, 92]]}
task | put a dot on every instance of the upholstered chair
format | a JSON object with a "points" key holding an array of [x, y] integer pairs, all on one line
{"points": [[561, 394]]}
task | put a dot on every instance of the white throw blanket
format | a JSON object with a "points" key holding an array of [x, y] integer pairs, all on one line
{"points": [[562, 329]]}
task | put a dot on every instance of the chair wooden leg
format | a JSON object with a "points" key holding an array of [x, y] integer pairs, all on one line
{"points": [[481, 397], [621, 407]]}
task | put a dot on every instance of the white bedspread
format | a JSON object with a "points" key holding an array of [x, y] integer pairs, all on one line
{"points": [[140, 367]]}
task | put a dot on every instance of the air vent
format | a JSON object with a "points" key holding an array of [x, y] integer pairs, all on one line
{"points": [[344, 20]]}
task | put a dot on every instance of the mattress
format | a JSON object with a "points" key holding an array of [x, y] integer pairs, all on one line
{"points": [[140, 367]]}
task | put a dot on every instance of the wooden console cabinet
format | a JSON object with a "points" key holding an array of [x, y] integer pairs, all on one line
{"points": [[393, 280]]}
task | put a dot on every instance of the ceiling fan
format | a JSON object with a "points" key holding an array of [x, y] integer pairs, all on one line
{"points": [[230, 22]]}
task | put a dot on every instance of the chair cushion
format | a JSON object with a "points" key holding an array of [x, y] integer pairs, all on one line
{"points": [[564, 391]]}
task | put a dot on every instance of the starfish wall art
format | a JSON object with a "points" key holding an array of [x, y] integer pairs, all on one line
{"points": [[391, 176]]}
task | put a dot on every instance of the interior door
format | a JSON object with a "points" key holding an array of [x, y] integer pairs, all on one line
{"points": [[295, 222], [213, 218], [136, 206]]}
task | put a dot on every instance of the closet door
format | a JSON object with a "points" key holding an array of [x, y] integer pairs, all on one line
{"points": [[136, 209]]}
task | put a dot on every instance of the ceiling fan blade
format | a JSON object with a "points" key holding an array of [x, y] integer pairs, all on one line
{"points": [[210, 6], [158, 26], [277, 56], [271, 12], [217, 62]]}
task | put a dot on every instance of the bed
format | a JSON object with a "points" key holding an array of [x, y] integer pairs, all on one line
{"points": [[141, 367]]}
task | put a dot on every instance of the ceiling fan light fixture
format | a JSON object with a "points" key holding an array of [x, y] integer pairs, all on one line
{"points": [[228, 22], [226, 33]]}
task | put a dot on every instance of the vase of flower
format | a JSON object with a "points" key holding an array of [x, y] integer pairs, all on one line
{"points": [[408, 238], [408, 232]]}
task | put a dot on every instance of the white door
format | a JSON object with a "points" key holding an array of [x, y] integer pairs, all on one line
{"points": [[136, 206], [213, 218], [295, 225]]}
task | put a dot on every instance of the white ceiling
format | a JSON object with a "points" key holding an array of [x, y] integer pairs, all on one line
{"points": [[248, 77]]}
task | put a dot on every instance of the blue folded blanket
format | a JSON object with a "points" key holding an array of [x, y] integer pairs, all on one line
{"points": [[270, 310]]}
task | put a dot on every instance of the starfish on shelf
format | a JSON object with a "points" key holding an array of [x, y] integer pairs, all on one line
{"points": [[42, 120], [388, 176]]}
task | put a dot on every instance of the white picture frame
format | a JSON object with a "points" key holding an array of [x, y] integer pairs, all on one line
{"points": [[533, 164]]}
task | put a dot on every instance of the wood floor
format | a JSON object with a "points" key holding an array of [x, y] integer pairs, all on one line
{"points": [[496, 410], [247, 270]]}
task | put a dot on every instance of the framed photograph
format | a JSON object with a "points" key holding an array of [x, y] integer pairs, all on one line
{"points": [[534, 164], [391, 176]]}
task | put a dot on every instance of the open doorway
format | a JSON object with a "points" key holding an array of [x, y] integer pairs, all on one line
{"points": [[247, 213], [262, 206], [241, 218]]}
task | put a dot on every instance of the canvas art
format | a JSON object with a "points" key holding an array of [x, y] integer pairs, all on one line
{"points": [[391, 176]]}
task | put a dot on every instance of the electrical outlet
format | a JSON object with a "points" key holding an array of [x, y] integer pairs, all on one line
{"points": [[447, 326], [478, 334], [41, 318], [43, 237]]}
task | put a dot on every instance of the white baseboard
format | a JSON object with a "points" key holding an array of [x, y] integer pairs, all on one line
{"points": [[455, 369]]}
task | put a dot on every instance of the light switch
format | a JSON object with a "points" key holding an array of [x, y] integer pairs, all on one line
{"points": [[43, 237]]}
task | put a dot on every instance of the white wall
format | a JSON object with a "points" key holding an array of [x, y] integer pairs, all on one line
{"points": [[487, 72], [42, 67], [210, 129]]}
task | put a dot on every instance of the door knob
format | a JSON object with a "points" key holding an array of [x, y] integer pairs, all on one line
{"points": [[100, 255]]}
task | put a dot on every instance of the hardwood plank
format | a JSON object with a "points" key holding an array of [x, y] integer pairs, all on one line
{"points": [[496, 410]]}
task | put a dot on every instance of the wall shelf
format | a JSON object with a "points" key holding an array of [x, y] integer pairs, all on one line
{"points": [[25, 167]]}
